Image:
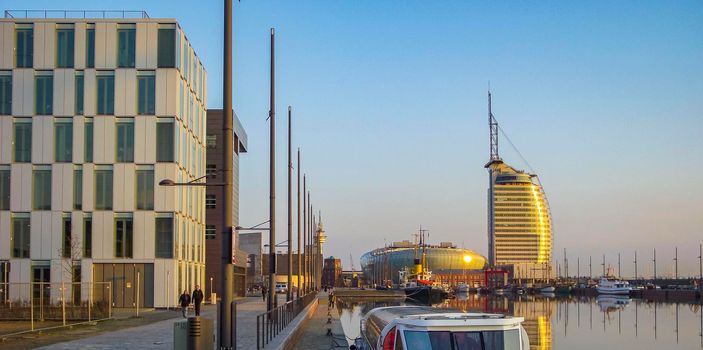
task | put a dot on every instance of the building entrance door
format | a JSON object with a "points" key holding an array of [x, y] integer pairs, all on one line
{"points": [[41, 288], [131, 283]]}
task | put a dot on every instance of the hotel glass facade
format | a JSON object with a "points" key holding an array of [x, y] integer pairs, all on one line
{"points": [[520, 225], [93, 114]]}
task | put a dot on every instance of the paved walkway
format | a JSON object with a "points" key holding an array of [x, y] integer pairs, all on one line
{"points": [[159, 335], [314, 332]]}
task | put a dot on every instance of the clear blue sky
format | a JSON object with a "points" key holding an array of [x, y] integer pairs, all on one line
{"points": [[604, 99]]}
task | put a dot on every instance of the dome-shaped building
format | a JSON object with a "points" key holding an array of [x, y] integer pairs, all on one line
{"points": [[380, 266]]}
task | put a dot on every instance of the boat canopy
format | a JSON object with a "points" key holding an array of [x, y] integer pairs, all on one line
{"points": [[385, 319]]}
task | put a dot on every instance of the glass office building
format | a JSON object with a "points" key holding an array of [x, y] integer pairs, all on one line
{"points": [[382, 265]]}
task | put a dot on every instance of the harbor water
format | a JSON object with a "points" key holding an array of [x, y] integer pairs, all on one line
{"points": [[569, 322]]}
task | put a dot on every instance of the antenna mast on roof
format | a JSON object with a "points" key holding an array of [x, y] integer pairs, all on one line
{"points": [[493, 124]]}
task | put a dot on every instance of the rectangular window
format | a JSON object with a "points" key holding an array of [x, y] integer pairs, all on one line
{"points": [[211, 171], [20, 237], [123, 237], [67, 244], [210, 201], [79, 93], [146, 93], [64, 45], [5, 187], [5, 92], [164, 140], [181, 108], [125, 140], [126, 39], [41, 188], [167, 46], [88, 237], [211, 141], [103, 189], [106, 93], [24, 49], [90, 45], [77, 188], [63, 140], [145, 189], [164, 237], [210, 232], [43, 93], [88, 140], [23, 140]]}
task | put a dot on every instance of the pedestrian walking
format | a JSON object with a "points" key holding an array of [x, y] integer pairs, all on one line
{"points": [[197, 299], [184, 301], [263, 292]]}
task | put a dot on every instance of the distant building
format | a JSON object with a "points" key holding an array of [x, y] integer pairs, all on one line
{"points": [[352, 279], [252, 244], [520, 224], [381, 266], [282, 268], [519, 221], [213, 198], [332, 272], [94, 113]]}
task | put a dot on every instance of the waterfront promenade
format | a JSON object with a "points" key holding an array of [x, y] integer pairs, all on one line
{"points": [[313, 332], [159, 335]]}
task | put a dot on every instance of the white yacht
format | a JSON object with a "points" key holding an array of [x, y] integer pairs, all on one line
{"points": [[428, 328], [612, 285], [609, 303]]}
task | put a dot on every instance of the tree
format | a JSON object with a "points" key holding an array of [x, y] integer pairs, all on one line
{"points": [[71, 253]]}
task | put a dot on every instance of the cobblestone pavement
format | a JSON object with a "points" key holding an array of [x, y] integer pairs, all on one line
{"points": [[159, 335]]}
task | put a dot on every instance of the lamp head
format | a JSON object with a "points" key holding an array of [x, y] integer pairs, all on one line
{"points": [[167, 182]]}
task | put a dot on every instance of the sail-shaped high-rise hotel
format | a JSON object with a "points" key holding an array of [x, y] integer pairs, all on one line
{"points": [[519, 221]]}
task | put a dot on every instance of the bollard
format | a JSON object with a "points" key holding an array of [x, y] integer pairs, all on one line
{"points": [[194, 333]]}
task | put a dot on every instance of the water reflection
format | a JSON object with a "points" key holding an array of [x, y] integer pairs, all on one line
{"points": [[570, 322]]}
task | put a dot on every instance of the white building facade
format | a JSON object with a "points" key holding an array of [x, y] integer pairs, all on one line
{"points": [[93, 114]]}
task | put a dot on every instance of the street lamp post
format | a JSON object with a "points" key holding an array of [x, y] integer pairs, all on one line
{"points": [[306, 279], [289, 293], [227, 325], [272, 180], [298, 227]]}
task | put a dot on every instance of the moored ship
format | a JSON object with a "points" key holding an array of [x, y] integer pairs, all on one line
{"points": [[422, 327]]}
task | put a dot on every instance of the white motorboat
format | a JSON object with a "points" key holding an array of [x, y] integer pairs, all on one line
{"points": [[462, 288], [612, 285], [548, 289], [608, 303], [423, 327]]}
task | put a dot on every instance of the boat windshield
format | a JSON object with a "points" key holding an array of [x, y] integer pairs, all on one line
{"points": [[485, 340]]}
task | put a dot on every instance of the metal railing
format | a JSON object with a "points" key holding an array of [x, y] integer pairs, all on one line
{"points": [[28, 307], [271, 323], [75, 14]]}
